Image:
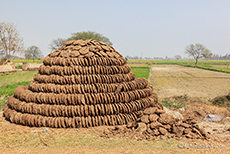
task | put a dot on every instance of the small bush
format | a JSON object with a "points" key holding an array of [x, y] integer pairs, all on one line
{"points": [[19, 67], [222, 101]]}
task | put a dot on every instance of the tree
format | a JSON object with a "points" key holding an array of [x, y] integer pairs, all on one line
{"points": [[10, 40], [33, 52], [1, 50], [90, 35], [197, 51], [177, 57], [56, 43]]}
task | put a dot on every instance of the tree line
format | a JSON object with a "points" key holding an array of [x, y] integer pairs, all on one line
{"points": [[57, 43], [11, 42]]}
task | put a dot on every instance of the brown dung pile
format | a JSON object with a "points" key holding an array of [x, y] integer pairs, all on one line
{"points": [[82, 84], [154, 123], [88, 83]]}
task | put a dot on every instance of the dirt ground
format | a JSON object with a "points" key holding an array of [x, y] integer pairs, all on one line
{"points": [[22, 139], [199, 86], [198, 111], [171, 80], [195, 88]]}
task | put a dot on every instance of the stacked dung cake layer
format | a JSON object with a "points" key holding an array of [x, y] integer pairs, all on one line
{"points": [[82, 84]]}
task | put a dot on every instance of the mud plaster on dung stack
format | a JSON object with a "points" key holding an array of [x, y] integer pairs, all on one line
{"points": [[86, 84]]}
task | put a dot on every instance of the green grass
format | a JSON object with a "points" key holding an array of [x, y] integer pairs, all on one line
{"points": [[141, 72], [15, 77], [208, 67], [10, 81], [8, 90]]}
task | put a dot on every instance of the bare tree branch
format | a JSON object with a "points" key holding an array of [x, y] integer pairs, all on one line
{"points": [[33, 52], [10, 40], [197, 51], [56, 44]]}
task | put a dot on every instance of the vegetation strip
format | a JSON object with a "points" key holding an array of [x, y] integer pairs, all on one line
{"points": [[177, 62], [208, 67]]}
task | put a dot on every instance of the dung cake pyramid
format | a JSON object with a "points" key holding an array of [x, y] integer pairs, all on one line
{"points": [[82, 84]]}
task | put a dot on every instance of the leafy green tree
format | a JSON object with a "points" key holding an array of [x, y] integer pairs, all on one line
{"points": [[33, 52], [56, 43], [197, 51], [89, 35]]}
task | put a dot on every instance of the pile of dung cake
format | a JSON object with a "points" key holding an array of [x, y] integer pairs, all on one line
{"points": [[82, 84], [87, 84], [154, 123]]}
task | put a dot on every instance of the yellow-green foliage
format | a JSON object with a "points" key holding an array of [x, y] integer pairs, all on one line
{"points": [[27, 61]]}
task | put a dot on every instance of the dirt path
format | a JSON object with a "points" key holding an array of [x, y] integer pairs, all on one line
{"points": [[170, 80]]}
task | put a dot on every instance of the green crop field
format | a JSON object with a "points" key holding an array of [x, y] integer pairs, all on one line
{"points": [[10, 81], [141, 72]]}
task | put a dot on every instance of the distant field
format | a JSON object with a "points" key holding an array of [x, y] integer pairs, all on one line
{"points": [[213, 65], [225, 63], [178, 62], [171, 80]]}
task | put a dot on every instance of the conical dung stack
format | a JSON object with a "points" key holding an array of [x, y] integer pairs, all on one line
{"points": [[82, 84]]}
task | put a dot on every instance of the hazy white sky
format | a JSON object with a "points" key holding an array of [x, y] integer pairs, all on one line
{"points": [[155, 28]]}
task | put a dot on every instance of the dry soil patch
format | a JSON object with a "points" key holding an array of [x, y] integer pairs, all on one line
{"points": [[171, 80]]}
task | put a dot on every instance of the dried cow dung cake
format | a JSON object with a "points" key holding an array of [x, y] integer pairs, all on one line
{"points": [[84, 83]]}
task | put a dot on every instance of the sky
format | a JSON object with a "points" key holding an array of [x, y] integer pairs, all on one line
{"points": [[147, 28]]}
